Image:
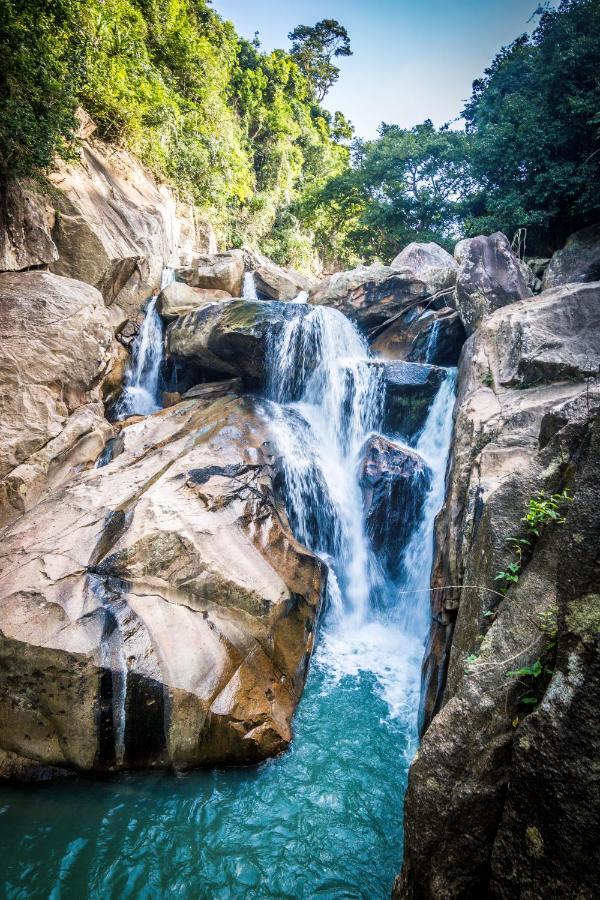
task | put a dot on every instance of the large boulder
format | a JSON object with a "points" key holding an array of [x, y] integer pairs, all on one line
{"points": [[527, 408], [578, 261], [232, 337], [409, 392], [433, 336], [219, 271], [429, 262], [57, 347], [394, 480], [178, 299], [370, 295], [488, 278], [276, 283], [157, 611]]}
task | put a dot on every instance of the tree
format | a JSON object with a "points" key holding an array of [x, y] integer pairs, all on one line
{"points": [[535, 120], [314, 48]]}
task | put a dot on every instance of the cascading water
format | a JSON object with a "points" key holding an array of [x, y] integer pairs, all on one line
{"points": [[249, 287], [325, 818], [140, 394]]}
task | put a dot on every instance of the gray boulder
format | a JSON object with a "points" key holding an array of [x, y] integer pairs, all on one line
{"points": [[578, 261], [231, 337], [273, 281], [218, 271], [409, 392], [179, 298], [429, 262], [489, 277], [369, 295]]}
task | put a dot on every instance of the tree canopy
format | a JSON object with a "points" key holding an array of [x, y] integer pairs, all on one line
{"points": [[314, 48]]}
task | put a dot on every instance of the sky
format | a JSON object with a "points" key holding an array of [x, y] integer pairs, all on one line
{"points": [[413, 59]]}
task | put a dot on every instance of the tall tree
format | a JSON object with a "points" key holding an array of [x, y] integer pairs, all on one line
{"points": [[315, 47]]}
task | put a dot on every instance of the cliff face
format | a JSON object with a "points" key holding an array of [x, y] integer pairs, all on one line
{"points": [[101, 219], [502, 803]]}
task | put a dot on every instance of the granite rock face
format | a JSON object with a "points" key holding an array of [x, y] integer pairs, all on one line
{"points": [[219, 271], [488, 278], [178, 299], [431, 263], [578, 261], [526, 421], [157, 612], [57, 349]]}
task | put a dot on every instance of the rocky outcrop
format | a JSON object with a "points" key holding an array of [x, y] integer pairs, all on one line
{"points": [[219, 271], [101, 219], [231, 337], [370, 295], [435, 336], [578, 261], [394, 481], [26, 219], [57, 347], [178, 299], [527, 408], [429, 262], [157, 611], [488, 278]]}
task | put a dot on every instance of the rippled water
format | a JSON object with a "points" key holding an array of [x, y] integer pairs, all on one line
{"points": [[324, 820]]}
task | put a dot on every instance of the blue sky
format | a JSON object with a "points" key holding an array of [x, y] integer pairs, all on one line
{"points": [[413, 59]]}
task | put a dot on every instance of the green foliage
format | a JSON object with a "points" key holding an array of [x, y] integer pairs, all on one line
{"points": [[536, 676], [314, 48], [535, 117], [233, 129], [41, 63], [541, 512]]}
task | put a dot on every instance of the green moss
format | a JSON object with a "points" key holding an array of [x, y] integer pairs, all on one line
{"points": [[583, 617]]}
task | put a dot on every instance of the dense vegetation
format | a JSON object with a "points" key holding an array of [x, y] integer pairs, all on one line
{"points": [[238, 130], [529, 157], [243, 134]]}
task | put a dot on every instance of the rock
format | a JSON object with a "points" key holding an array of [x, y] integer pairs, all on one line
{"points": [[394, 480], [26, 221], [157, 612], [578, 261], [231, 337], [435, 336], [429, 262], [409, 392], [170, 398], [277, 283], [220, 271], [179, 298], [57, 347], [214, 389], [369, 295], [489, 277], [525, 410]]}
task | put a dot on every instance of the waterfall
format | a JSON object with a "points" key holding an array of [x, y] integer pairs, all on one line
{"points": [[431, 345], [328, 402], [249, 287], [140, 394]]}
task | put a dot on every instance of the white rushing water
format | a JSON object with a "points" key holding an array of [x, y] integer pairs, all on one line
{"points": [[249, 287], [142, 380], [330, 400]]}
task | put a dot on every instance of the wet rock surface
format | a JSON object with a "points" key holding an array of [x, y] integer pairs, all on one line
{"points": [[157, 611], [435, 336], [409, 391], [231, 338]]}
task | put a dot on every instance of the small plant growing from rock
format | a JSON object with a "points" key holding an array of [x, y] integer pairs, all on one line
{"points": [[541, 511], [536, 676]]}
